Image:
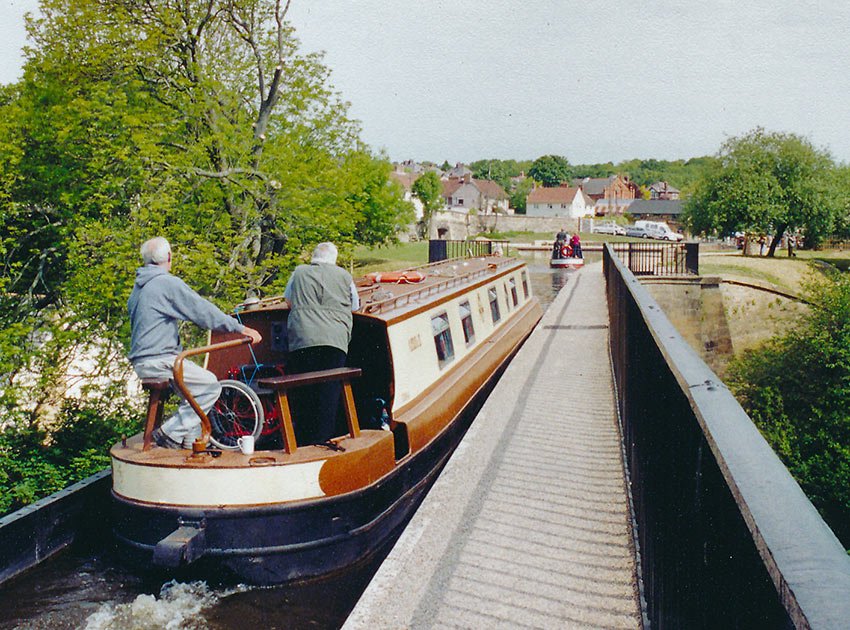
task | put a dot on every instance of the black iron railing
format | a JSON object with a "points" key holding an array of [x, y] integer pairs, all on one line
{"points": [[726, 537], [443, 249], [659, 259]]}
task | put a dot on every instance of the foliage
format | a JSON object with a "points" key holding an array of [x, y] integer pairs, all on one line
{"points": [[550, 170], [35, 462], [768, 182], [197, 120], [796, 389], [519, 197], [429, 190], [499, 171]]}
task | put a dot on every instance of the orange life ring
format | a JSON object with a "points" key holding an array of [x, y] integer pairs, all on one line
{"points": [[566, 251], [400, 277]]}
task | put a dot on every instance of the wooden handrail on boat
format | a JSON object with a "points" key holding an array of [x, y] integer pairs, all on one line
{"points": [[281, 384], [200, 444]]}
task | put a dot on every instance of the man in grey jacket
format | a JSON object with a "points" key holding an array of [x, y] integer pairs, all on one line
{"points": [[158, 302], [322, 297]]}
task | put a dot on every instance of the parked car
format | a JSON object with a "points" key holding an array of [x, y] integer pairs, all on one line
{"points": [[608, 227], [659, 230], [637, 231]]}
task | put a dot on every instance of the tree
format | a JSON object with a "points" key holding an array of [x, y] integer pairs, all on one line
{"points": [[429, 190], [767, 182], [519, 197], [550, 170], [199, 120], [796, 389]]}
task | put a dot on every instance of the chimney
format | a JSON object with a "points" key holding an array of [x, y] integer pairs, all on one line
{"points": [[467, 178]]}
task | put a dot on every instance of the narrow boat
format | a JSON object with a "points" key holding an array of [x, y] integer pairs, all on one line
{"points": [[562, 257], [423, 345]]}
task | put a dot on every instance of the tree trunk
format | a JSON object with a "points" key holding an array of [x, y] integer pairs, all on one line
{"points": [[777, 238]]}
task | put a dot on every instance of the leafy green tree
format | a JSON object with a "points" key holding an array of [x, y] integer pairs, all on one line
{"points": [[499, 171], [194, 119], [429, 190], [551, 170], [767, 182], [519, 196], [797, 390]]}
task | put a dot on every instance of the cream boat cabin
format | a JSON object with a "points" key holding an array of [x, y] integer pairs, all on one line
{"points": [[292, 511]]}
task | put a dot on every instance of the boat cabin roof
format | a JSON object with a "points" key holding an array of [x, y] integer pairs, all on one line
{"points": [[393, 300]]}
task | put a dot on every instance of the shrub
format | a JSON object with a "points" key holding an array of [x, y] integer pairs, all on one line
{"points": [[796, 389]]}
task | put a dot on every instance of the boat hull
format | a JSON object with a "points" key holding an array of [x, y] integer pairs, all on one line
{"points": [[567, 263], [296, 515], [289, 542]]}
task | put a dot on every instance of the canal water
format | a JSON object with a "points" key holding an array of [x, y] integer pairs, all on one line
{"points": [[85, 589]]}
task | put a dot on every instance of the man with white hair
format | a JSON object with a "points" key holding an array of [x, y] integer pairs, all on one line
{"points": [[321, 297], [158, 302]]}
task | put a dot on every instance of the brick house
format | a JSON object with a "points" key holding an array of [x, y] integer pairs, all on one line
{"points": [[663, 191], [610, 195]]}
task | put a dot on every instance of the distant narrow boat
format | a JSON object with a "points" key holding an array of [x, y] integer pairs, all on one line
{"points": [[562, 256], [419, 355]]}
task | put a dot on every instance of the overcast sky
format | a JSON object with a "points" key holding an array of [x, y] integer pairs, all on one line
{"points": [[592, 81]]}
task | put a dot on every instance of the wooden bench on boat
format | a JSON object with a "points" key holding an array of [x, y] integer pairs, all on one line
{"points": [[281, 384]]}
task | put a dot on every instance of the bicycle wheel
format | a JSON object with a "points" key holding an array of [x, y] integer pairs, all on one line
{"points": [[237, 412]]}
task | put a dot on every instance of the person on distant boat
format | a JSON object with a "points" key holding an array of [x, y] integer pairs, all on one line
{"points": [[575, 244], [158, 302], [321, 297], [560, 241]]}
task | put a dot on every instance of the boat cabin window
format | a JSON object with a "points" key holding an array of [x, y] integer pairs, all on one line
{"points": [[442, 338], [525, 285], [494, 304], [514, 297], [507, 299], [466, 322]]}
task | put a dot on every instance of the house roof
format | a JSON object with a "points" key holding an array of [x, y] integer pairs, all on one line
{"points": [[405, 179], [557, 194], [656, 206], [663, 187], [595, 185], [485, 188], [458, 171]]}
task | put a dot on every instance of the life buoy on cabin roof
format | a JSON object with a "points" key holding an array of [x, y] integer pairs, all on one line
{"points": [[566, 251], [401, 277]]}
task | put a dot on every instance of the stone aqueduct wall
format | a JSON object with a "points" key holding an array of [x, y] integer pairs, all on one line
{"points": [[459, 225]]}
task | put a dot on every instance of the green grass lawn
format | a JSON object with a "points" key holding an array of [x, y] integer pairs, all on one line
{"points": [[391, 258]]}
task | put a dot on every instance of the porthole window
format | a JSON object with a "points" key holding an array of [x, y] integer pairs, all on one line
{"points": [[466, 322], [494, 304], [514, 297], [525, 284], [442, 338]]}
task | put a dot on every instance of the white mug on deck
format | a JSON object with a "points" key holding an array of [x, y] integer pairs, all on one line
{"points": [[246, 444]]}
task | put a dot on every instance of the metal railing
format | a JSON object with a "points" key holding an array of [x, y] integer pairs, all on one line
{"points": [[659, 259], [726, 537], [444, 249]]}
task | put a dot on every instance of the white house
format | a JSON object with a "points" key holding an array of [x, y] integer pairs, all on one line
{"points": [[560, 201]]}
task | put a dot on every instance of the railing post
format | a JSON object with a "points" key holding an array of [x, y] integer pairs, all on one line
{"points": [[437, 250], [692, 258]]}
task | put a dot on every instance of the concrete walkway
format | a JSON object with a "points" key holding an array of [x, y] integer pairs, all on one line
{"points": [[527, 526]]}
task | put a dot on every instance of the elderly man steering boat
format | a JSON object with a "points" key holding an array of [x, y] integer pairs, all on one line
{"points": [[158, 302]]}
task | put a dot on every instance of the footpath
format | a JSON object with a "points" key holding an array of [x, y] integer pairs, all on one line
{"points": [[528, 524]]}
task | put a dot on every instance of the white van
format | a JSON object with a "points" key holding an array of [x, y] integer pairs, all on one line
{"points": [[659, 230]]}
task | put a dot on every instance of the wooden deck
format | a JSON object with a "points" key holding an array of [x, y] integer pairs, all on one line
{"points": [[528, 525]]}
